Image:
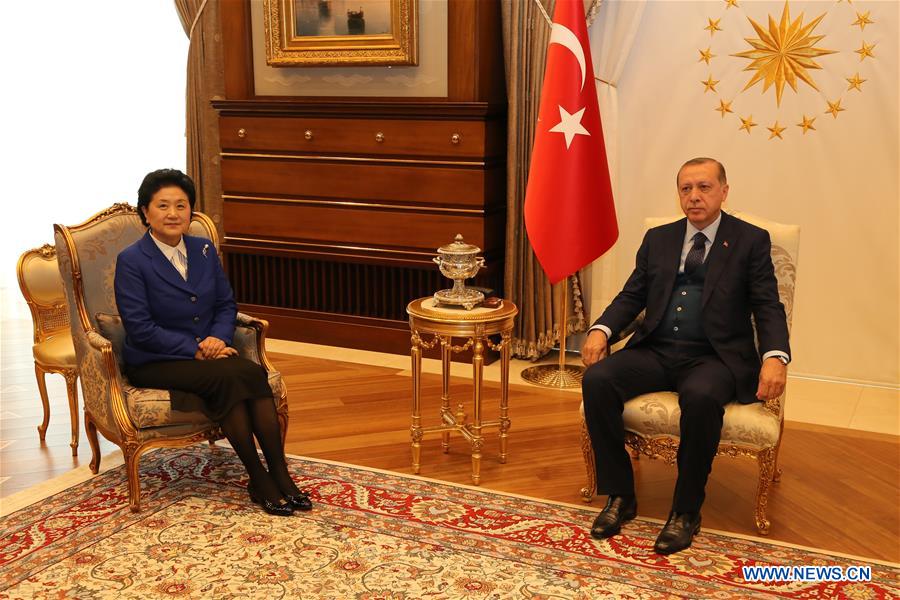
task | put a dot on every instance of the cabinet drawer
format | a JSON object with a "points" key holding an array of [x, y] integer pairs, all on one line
{"points": [[451, 139], [469, 187], [366, 227]]}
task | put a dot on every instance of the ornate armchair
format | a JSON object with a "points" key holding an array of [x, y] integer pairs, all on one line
{"points": [[53, 351], [136, 419], [751, 430]]}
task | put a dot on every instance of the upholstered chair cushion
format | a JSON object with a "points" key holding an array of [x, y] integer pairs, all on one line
{"points": [[658, 414], [57, 350]]}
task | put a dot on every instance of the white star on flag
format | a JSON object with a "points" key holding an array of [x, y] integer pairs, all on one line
{"points": [[570, 125]]}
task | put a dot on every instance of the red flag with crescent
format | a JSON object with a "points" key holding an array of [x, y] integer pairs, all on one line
{"points": [[569, 211]]}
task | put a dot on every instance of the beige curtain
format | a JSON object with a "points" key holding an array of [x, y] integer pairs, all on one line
{"points": [[525, 36], [205, 82]]}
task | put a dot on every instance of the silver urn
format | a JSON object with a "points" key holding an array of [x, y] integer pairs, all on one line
{"points": [[459, 261]]}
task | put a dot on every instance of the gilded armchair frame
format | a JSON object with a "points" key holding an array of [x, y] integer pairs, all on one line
{"points": [[665, 447], [102, 382], [50, 319]]}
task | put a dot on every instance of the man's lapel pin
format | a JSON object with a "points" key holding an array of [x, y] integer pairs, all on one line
{"points": [[724, 243], [206, 249]]}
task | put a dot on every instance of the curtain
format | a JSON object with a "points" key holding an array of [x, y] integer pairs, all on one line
{"points": [[205, 82], [612, 36]]}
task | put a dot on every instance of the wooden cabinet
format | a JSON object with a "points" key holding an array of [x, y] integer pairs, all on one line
{"points": [[333, 208]]}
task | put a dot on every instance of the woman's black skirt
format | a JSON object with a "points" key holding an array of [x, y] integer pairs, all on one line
{"points": [[210, 386]]}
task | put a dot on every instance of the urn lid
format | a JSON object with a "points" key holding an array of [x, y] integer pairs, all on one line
{"points": [[459, 248]]}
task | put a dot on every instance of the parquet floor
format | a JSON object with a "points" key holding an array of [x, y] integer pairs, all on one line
{"points": [[840, 490]]}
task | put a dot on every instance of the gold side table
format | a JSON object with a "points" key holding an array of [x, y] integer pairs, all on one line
{"points": [[443, 324]]}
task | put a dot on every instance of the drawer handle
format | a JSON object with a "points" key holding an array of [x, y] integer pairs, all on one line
{"points": [[379, 137], [455, 138], [242, 133], [308, 134]]}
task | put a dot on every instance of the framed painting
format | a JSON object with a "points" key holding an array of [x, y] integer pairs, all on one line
{"points": [[333, 33]]}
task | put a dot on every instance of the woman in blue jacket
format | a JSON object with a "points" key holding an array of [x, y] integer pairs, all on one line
{"points": [[179, 315]]}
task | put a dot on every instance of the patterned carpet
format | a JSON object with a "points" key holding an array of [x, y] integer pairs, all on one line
{"points": [[372, 535]]}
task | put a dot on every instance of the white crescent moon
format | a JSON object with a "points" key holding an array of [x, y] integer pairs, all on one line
{"points": [[562, 35]]}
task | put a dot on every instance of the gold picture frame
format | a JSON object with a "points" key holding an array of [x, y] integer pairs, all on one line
{"points": [[333, 33]]}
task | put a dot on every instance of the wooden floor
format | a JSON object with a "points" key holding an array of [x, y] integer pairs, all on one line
{"points": [[840, 490]]}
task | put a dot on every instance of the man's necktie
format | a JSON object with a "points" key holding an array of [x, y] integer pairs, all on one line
{"points": [[694, 256]]}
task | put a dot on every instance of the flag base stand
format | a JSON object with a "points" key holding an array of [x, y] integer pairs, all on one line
{"points": [[559, 376], [552, 376]]}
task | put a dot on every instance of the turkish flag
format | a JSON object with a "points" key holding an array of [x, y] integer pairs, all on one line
{"points": [[569, 212]]}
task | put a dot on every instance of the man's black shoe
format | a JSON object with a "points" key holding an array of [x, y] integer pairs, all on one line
{"points": [[678, 533], [618, 509]]}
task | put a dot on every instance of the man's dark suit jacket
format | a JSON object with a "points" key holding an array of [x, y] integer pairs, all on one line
{"points": [[740, 282], [166, 317]]}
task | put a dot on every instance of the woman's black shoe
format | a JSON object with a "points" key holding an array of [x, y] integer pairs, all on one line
{"points": [[300, 502], [282, 509]]}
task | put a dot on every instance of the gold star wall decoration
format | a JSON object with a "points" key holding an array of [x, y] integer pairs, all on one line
{"points": [[834, 108], [855, 83], [724, 107], [709, 84], [747, 123], [784, 53], [865, 51], [776, 131], [807, 124], [862, 19]]}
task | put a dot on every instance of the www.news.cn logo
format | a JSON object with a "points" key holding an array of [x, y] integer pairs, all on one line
{"points": [[807, 573]]}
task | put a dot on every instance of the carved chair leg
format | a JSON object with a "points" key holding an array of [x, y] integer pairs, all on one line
{"points": [[72, 391], [90, 431], [132, 463], [776, 471], [766, 461], [590, 490], [39, 373]]}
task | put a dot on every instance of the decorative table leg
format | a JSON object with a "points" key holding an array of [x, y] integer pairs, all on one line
{"points": [[416, 429], [445, 389], [504, 395], [477, 440]]}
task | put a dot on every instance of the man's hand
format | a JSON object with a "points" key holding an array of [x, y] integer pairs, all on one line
{"points": [[210, 348], [595, 347], [772, 378]]}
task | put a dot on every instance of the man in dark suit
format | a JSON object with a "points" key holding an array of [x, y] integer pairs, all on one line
{"points": [[699, 280]]}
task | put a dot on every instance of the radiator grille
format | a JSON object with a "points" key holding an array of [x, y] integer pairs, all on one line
{"points": [[357, 289]]}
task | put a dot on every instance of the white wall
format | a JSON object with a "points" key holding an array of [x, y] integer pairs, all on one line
{"points": [[93, 99]]}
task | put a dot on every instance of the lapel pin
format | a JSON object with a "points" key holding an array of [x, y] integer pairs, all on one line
{"points": [[724, 243], [206, 249]]}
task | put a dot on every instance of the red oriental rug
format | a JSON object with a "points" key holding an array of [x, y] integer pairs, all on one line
{"points": [[372, 535]]}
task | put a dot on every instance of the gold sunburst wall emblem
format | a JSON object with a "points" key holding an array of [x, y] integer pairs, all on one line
{"points": [[784, 53]]}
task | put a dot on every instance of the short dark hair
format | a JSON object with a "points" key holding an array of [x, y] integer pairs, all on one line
{"points": [[157, 180], [702, 160]]}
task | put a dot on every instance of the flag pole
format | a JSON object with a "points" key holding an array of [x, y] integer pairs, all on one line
{"points": [[557, 376]]}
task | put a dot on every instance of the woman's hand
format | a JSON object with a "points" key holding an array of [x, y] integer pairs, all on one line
{"points": [[210, 348], [226, 352]]}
